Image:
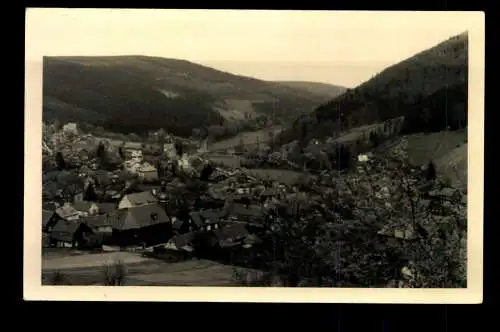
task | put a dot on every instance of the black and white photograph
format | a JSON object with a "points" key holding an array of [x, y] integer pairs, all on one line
{"points": [[257, 150]]}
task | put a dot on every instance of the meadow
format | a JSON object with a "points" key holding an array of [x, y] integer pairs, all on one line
{"points": [[88, 269]]}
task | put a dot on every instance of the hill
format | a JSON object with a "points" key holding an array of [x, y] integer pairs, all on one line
{"points": [[322, 90], [429, 89], [139, 93]]}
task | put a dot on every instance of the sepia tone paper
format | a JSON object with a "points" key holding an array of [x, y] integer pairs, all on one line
{"points": [[37, 45]]}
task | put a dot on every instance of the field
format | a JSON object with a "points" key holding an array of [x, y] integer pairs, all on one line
{"points": [[141, 271], [249, 138], [425, 147]]}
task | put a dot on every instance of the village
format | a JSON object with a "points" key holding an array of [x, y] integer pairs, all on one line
{"points": [[187, 206], [168, 200]]}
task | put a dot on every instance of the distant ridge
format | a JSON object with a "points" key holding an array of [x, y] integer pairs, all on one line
{"points": [[317, 88], [137, 93]]}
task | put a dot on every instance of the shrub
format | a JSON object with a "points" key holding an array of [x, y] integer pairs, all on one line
{"points": [[115, 274]]}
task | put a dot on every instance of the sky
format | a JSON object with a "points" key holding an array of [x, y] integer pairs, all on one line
{"points": [[342, 48]]}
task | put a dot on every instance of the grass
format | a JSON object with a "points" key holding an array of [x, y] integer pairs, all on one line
{"points": [[425, 147], [151, 273], [248, 138]]}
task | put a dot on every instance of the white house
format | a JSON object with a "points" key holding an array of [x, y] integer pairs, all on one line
{"points": [[70, 128], [147, 172], [137, 199]]}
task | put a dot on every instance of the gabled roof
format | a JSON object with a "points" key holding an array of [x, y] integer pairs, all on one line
{"points": [[141, 198], [46, 216], [66, 211], [212, 215], [82, 205], [106, 208], [183, 240], [231, 234], [64, 230], [96, 221], [139, 216], [242, 210], [206, 217]]}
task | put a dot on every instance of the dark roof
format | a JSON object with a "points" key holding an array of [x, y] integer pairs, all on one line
{"points": [[206, 217], [230, 234], [242, 210], [183, 239], [64, 230], [66, 211], [97, 221], [212, 215], [196, 218], [82, 205], [50, 206], [106, 208], [141, 198], [139, 216], [46, 216]]}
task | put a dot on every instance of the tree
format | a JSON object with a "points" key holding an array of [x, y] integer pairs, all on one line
{"points": [[61, 164], [374, 138], [430, 173], [101, 151], [342, 157], [179, 148], [90, 194], [206, 172], [351, 244], [121, 153]]}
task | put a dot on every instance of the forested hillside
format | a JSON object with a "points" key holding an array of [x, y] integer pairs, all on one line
{"points": [[138, 94], [429, 89]]}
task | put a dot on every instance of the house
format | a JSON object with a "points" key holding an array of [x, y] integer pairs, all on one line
{"points": [[86, 208], [68, 212], [70, 128], [181, 242], [205, 220], [248, 213], [69, 234], [106, 208], [145, 224], [100, 223], [147, 172], [49, 219], [101, 226], [231, 235], [137, 199]]}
